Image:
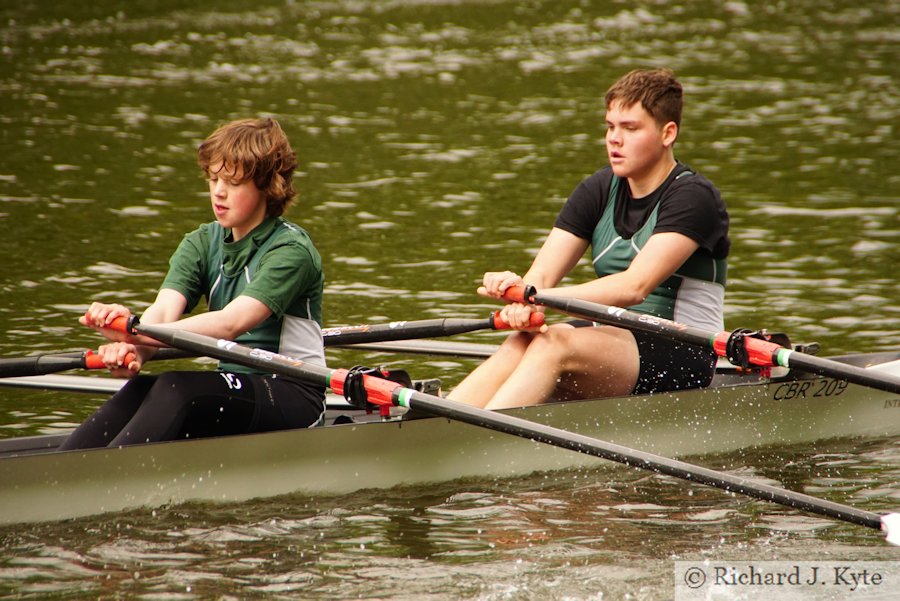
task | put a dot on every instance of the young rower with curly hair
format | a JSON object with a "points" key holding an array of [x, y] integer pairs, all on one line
{"points": [[262, 279]]}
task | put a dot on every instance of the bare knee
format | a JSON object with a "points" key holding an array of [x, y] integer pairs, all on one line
{"points": [[511, 351], [554, 346], [517, 343]]}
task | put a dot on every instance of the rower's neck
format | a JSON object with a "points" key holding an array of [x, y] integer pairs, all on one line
{"points": [[645, 184]]}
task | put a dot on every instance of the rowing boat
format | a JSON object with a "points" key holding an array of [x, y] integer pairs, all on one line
{"points": [[357, 450]]}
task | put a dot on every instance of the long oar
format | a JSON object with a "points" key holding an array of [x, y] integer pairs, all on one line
{"points": [[87, 384], [387, 393], [740, 346], [374, 334], [425, 328]]}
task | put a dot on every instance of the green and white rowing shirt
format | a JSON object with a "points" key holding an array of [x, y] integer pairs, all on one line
{"points": [[602, 211], [277, 264]]}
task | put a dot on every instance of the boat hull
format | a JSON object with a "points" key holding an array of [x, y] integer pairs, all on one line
{"points": [[40, 484]]}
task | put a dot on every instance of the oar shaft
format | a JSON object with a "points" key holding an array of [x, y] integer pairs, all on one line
{"points": [[829, 368], [471, 350], [401, 330], [232, 351], [49, 363], [386, 392], [760, 352], [424, 328], [583, 444], [41, 364], [37, 365], [631, 320]]}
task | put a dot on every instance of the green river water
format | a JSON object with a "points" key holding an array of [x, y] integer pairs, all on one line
{"points": [[437, 140]]}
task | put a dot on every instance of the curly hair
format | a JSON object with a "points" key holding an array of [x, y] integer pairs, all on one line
{"points": [[657, 90], [257, 150]]}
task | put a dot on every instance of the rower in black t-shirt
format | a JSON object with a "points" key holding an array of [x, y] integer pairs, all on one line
{"points": [[658, 234]]}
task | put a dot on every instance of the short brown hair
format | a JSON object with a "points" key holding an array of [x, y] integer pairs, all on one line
{"points": [[657, 90], [259, 150]]}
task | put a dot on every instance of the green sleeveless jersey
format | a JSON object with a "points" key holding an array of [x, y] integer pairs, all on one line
{"points": [[277, 264], [693, 295]]}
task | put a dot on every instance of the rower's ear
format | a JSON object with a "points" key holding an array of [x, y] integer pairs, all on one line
{"points": [[669, 134]]}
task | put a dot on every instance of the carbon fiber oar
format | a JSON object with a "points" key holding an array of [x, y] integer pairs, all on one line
{"points": [[368, 334], [740, 347], [425, 328], [386, 393]]}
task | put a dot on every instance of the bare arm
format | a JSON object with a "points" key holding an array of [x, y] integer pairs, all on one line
{"points": [[557, 256], [240, 315], [661, 256]]}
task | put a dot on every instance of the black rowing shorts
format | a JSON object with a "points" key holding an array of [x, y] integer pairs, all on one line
{"points": [[668, 364]]}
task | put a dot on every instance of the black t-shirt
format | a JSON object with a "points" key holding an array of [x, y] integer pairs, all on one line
{"points": [[689, 205]]}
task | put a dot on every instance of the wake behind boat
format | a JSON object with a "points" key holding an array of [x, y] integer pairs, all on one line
{"points": [[356, 449]]}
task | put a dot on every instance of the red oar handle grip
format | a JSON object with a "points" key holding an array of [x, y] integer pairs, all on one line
{"points": [[124, 324], [93, 361], [536, 320], [520, 294]]}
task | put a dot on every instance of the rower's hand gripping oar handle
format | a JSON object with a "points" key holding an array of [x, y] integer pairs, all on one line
{"points": [[520, 294], [93, 361], [536, 320], [126, 325]]}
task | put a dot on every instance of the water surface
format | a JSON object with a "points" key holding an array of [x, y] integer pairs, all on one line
{"points": [[438, 140]]}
